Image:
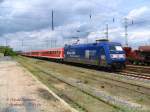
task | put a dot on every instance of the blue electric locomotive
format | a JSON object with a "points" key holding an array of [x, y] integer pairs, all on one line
{"points": [[102, 53]]}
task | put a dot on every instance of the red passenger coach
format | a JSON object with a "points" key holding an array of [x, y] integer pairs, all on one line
{"points": [[55, 53]]}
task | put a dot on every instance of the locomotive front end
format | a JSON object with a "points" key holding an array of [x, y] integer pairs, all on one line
{"points": [[117, 56]]}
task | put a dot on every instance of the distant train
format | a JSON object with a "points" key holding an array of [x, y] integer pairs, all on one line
{"points": [[140, 56], [102, 53]]}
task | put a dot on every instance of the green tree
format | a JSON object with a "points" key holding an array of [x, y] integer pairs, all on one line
{"points": [[7, 51]]}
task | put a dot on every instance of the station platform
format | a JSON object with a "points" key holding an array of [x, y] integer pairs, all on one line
{"points": [[21, 92]]}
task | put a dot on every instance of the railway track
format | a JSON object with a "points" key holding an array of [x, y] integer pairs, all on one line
{"points": [[139, 72], [69, 88], [135, 75], [93, 77], [139, 69], [138, 66]]}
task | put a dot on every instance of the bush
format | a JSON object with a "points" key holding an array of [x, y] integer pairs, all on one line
{"points": [[7, 51]]}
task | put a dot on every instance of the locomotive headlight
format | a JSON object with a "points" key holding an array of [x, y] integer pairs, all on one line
{"points": [[114, 55], [121, 56], [117, 56]]}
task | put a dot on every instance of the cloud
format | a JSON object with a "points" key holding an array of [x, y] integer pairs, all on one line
{"points": [[138, 32], [138, 13], [31, 21], [36, 14], [137, 37], [44, 38], [140, 16], [1, 1]]}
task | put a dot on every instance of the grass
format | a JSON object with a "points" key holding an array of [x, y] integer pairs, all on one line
{"points": [[73, 96]]}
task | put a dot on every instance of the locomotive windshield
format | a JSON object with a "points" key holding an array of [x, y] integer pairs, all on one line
{"points": [[115, 48]]}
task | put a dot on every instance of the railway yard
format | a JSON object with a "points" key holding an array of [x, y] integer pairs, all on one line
{"points": [[93, 77], [74, 56], [93, 90]]}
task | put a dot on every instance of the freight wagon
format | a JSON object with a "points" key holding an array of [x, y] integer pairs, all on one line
{"points": [[139, 56]]}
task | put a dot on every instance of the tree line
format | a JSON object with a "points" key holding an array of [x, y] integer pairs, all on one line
{"points": [[7, 51]]}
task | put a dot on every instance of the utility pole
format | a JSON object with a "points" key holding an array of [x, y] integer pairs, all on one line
{"points": [[51, 43], [22, 43], [55, 41], [126, 31], [6, 42], [106, 31], [52, 20], [90, 15], [47, 42]]}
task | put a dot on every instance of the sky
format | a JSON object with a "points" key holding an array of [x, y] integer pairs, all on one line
{"points": [[26, 24]]}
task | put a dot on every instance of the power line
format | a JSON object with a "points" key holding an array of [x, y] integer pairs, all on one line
{"points": [[52, 20], [126, 31], [22, 43], [107, 31], [6, 42]]}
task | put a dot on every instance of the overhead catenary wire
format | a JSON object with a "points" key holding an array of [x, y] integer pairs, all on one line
{"points": [[26, 18], [126, 31]]}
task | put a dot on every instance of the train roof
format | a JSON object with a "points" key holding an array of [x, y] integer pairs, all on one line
{"points": [[93, 44], [51, 49], [144, 48]]}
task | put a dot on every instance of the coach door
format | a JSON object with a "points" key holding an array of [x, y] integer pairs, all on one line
{"points": [[102, 57]]}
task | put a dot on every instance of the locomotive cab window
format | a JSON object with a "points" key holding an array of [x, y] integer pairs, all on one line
{"points": [[115, 48]]}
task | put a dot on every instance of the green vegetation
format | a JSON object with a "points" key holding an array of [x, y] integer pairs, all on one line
{"points": [[7, 51], [76, 98]]}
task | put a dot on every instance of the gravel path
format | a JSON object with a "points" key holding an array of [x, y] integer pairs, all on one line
{"points": [[20, 92]]}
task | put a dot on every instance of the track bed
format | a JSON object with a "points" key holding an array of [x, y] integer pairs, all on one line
{"points": [[79, 86]]}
